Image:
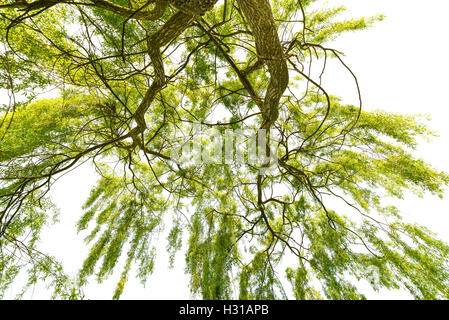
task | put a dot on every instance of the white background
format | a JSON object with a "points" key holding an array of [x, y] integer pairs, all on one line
{"points": [[402, 67]]}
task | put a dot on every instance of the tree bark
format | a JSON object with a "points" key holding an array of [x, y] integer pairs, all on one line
{"points": [[261, 21]]}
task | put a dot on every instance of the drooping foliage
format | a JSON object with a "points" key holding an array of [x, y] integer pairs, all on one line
{"points": [[137, 79]]}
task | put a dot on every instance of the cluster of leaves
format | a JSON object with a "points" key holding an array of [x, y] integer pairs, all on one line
{"points": [[39, 131], [125, 209]]}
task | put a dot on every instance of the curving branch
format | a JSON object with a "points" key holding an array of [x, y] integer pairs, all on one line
{"points": [[159, 9], [261, 21]]}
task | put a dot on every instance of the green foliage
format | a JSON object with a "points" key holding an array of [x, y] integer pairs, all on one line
{"points": [[39, 123], [127, 211], [320, 221]]}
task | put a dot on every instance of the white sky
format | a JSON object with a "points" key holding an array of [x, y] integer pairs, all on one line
{"points": [[402, 67]]}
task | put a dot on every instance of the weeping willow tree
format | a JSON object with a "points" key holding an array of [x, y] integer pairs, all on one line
{"points": [[134, 78]]}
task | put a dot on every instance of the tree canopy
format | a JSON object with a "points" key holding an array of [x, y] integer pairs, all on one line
{"points": [[138, 79]]}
